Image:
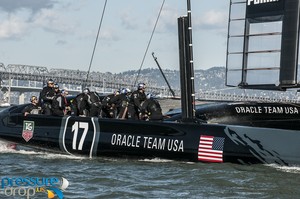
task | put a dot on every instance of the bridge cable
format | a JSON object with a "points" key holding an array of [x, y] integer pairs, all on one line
{"points": [[99, 28], [162, 5]]}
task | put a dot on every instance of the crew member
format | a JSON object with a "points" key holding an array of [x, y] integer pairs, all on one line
{"points": [[56, 88], [136, 100], [94, 103], [108, 109], [46, 97], [121, 102], [59, 104], [33, 107], [79, 104], [151, 109]]}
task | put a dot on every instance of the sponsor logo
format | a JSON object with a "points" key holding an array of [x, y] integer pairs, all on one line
{"points": [[283, 110], [28, 128], [147, 142], [30, 186], [255, 2]]}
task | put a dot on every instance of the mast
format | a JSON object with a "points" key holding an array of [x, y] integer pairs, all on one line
{"points": [[191, 58], [186, 65]]}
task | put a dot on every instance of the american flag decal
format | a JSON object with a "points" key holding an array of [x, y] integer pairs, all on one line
{"points": [[210, 149]]}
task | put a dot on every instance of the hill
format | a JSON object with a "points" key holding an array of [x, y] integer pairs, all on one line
{"points": [[210, 79]]}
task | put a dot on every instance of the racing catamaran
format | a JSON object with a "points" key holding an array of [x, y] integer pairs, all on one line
{"points": [[237, 132]]}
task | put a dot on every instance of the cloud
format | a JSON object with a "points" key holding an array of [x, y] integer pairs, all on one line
{"points": [[132, 20], [52, 21], [212, 20], [167, 22], [106, 36], [33, 5], [61, 42], [22, 21], [109, 35], [13, 27], [128, 21]]}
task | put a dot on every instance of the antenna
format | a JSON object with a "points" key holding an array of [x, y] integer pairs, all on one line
{"points": [[155, 59]]}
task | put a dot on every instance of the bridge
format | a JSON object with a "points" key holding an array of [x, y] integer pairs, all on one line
{"points": [[31, 79], [20, 81]]}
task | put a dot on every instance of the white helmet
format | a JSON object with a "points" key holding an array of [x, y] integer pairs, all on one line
{"points": [[125, 90], [149, 96], [141, 86], [86, 90]]}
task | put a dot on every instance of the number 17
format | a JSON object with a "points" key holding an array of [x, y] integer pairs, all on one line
{"points": [[75, 127]]}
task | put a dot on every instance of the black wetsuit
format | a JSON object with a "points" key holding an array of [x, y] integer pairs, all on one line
{"points": [[152, 109], [107, 110], [80, 105], [59, 103], [121, 101], [135, 104], [46, 97], [32, 109], [94, 104]]}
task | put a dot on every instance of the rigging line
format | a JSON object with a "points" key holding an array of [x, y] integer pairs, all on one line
{"points": [[162, 5], [100, 24]]}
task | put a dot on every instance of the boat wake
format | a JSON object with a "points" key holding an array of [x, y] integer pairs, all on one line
{"points": [[288, 169], [11, 148], [7, 146], [159, 160], [48, 155]]}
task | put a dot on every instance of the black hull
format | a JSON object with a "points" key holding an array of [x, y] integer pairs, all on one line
{"points": [[94, 137]]}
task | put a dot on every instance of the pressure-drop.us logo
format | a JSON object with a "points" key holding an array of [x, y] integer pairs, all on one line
{"points": [[29, 187]]}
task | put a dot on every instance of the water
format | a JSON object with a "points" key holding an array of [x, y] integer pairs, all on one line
{"points": [[150, 178], [156, 178]]}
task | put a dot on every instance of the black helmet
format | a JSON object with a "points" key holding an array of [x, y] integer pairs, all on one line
{"points": [[50, 81], [141, 86]]}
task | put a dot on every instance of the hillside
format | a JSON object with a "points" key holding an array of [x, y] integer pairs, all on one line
{"points": [[210, 79]]}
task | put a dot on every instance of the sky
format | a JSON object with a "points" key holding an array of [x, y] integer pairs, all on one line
{"points": [[62, 34]]}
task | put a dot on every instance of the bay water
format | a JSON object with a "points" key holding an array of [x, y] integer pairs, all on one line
{"points": [[105, 177]]}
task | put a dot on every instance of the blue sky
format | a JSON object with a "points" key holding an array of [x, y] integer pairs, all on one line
{"points": [[61, 34]]}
